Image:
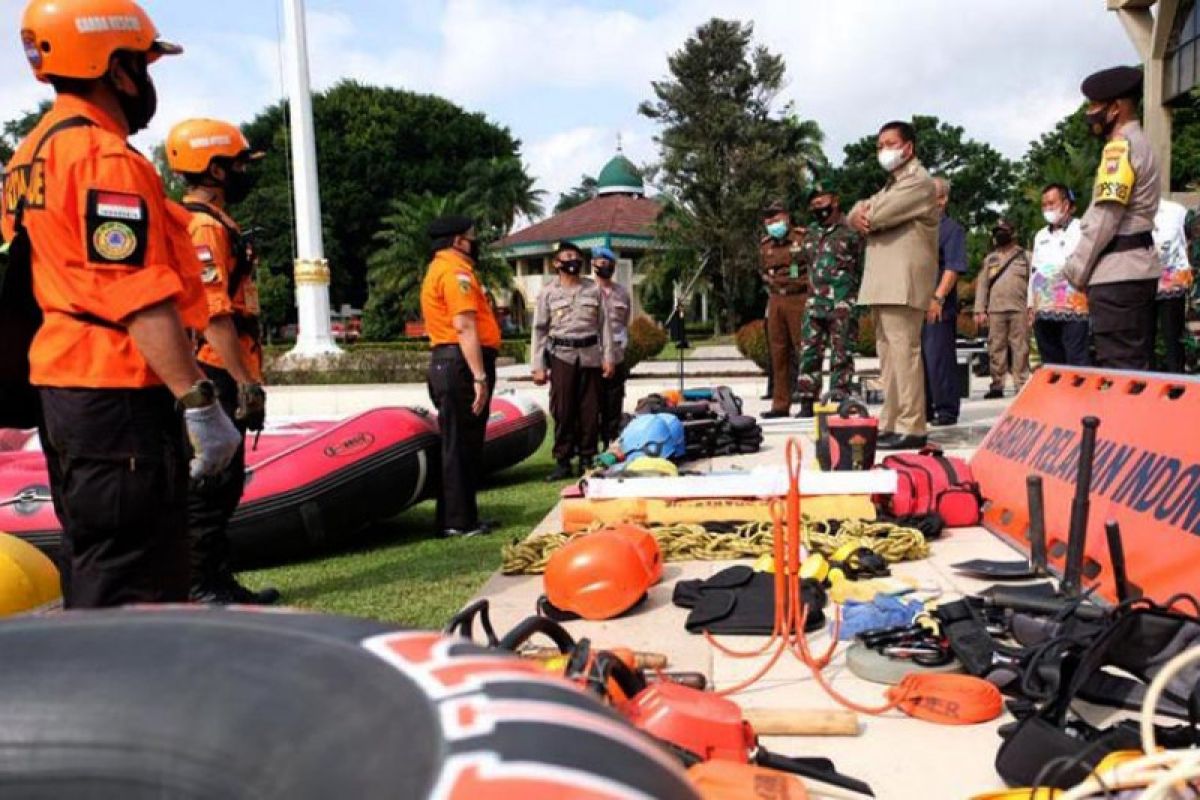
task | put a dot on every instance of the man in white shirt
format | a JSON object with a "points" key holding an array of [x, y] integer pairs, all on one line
{"points": [[1057, 310], [1170, 306]]}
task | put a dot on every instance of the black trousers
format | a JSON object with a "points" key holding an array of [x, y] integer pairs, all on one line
{"points": [[1063, 341], [1171, 315], [1123, 323], [452, 390], [575, 406], [212, 501], [940, 357], [118, 478], [612, 404]]}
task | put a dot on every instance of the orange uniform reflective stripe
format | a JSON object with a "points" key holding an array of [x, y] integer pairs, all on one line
{"points": [[451, 287], [215, 250], [106, 244]]}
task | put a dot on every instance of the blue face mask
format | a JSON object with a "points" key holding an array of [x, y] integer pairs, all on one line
{"points": [[777, 229]]}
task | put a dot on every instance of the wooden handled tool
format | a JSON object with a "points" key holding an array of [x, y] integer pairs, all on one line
{"points": [[802, 722], [641, 660]]}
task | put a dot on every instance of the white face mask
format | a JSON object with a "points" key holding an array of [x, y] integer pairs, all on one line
{"points": [[891, 159], [1051, 217]]}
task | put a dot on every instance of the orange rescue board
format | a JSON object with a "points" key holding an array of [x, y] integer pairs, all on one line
{"points": [[1146, 472]]}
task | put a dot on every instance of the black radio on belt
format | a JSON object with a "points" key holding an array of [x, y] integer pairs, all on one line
{"points": [[586, 341]]}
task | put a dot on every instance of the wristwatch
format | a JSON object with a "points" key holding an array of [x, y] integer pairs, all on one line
{"points": [[202, 393], [481, 379], [941, 301]]}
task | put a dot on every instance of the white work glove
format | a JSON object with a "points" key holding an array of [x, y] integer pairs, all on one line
{"points": [[213, 437]]}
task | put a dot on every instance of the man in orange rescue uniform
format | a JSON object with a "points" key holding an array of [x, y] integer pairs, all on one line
{"points": [[117, 280], [213, 157], [462, 369]]}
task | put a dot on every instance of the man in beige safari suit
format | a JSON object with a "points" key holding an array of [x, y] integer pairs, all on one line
{"points": [[900, 223]]}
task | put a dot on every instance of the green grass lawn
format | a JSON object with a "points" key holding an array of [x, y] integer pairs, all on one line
{"points": [[402, 573]]}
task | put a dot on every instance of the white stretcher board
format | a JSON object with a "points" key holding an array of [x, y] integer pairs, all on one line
{"points": [[758, 482]]}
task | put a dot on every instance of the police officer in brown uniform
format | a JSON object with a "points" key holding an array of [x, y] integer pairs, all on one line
{"points": [[786, 278], [1001, 299], [620, 305], [573, 341], [1116, 262]]}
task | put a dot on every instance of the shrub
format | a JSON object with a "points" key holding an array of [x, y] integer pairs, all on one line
{"points": [[646, 340], [751, 340], [366, 365]]}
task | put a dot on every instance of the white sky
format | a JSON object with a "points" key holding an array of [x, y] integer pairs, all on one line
{"points": [[566, 76]]}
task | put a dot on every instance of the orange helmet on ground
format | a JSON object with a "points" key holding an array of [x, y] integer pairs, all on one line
{"points": [[77, 38], [194, 143], [601, 575]]}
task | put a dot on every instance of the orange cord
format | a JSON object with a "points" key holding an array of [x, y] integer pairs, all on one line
{"points": [[953, 699]]}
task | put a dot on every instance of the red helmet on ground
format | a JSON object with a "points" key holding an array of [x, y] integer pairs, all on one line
{"points": [[601, 575]]}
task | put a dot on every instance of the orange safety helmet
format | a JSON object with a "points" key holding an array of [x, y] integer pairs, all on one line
{"points": [[77, 38], [601, 575], [194, 143]]}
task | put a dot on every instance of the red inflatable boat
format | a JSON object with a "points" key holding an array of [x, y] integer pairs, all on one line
{"points": [[309, 483]]}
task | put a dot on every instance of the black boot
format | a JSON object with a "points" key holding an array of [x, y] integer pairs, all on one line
{"points": [[228, 591], [561, 472], [806, 410]]}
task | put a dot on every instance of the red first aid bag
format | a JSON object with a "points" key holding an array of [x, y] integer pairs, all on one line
{"points": [[929, 482]]}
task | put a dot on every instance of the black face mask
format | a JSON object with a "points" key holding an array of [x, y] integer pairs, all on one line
{"points": [[473, 249], [138, 109], [606, 272], [237, 185], [822, 215], [1002, 238], [1098, 123], [570, 267]]}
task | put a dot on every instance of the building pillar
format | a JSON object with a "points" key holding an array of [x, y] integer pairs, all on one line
{"points": [[1150, 33]]}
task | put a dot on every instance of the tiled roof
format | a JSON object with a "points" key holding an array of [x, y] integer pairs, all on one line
{"points": [[620, 215]]}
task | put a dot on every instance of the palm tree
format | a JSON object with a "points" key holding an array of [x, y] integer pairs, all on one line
{"points": [[396, 269], [502, 189]]}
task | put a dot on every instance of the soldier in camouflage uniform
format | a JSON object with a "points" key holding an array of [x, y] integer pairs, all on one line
{"points": [[834, 254]]}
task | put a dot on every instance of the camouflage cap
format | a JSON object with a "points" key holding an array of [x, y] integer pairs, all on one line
{"points": [[820, 187]]}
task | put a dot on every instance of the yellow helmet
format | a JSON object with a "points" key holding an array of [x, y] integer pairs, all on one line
{"points": [[77, 38], [194, 143]]}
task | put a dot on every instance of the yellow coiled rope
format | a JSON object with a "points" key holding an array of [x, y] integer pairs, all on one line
{"points": [[747, 540]]}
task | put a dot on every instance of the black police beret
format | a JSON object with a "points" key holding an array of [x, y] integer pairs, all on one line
{"points": [[1112, 84], [773, 208], [570, 247], [449, 225]]}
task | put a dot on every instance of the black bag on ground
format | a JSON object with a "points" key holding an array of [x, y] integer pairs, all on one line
{"points": [[1114, 670]]}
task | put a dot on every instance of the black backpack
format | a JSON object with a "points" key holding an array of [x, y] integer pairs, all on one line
{"points": [[20, 316]]}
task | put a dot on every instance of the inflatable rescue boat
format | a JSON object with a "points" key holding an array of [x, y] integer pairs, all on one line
{"points": [[309, 483]]}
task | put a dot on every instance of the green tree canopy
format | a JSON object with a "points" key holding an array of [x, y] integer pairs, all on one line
{"points": [[1068, 154], [727, 147], [14, 130], [577, 196], [981, 178], [374, 146]]}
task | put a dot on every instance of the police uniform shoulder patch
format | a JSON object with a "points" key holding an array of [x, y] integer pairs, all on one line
{"points": [[1115, 177], [117, 223]]}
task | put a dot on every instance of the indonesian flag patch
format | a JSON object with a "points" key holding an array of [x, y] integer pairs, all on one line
{"points": [[205, 253], [115, 205]]}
